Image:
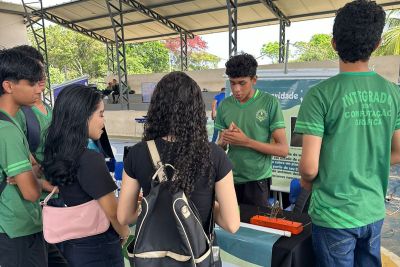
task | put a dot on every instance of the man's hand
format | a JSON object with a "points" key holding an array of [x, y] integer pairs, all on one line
{"points": [[235, 136], [306, 185]]}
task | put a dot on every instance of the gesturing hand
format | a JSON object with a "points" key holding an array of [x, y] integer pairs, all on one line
{"points": [[235, 136]]}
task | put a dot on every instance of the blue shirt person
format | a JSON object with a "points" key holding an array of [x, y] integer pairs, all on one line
{"points": [[217, 99]]}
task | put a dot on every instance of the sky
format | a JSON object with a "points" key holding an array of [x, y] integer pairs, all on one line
{"points": [[250, 40]]}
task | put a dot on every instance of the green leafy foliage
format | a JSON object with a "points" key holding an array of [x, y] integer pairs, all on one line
{"points": [[391, 37], [271, 50], [317, 49]]}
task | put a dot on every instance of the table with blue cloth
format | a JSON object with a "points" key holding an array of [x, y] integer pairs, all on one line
{"points": [[249, 247]]}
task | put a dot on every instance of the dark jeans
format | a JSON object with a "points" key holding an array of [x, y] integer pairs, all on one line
{"points": [[348, 247], [23, 251], [103, 250], [54, 256], [115, 96], [254, 193]]}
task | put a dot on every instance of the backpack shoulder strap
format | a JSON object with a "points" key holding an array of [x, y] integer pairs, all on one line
{"points": [[3, 184], [32, 128], [155, 157]]}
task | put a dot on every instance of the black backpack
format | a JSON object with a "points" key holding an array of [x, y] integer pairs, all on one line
{"points": [[3, 183], [169, 230], [32, 128]]}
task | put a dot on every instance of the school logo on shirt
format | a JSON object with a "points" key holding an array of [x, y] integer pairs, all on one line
{"points": [[261, 115]]}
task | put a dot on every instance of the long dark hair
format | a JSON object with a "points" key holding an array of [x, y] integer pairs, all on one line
{"points": [[68, 133], [177, 110]]}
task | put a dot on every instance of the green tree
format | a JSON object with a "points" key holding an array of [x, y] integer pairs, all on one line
{"points": [[56, 76], [152, 55], [71, 55], [318, 48], [271, 50], [203, 61], [74, 54], [391, 36], [198, 58]]}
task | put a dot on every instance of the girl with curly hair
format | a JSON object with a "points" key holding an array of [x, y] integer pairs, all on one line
{"points": [[177, 122]]}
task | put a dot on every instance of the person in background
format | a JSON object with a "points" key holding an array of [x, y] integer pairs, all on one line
{"points": [[351, 134], [176, 121], [251, 123], [108, 90], [82, 175], [21, 237], [217, 99], [115, 91]]}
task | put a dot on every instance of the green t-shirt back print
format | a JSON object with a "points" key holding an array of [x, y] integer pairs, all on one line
{"points": [[356, 115]]}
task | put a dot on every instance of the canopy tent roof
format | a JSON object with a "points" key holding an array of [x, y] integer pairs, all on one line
{"points": [[193, 16]]}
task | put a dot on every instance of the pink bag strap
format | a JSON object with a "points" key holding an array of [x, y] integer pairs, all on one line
{"points": [[44, 203]]}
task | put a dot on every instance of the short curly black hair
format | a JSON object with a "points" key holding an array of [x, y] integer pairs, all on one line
{"points": [[357, 30], [243, 65]]}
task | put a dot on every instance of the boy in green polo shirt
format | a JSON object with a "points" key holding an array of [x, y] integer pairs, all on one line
{"points": [[21, 238], [249, 121], [43, 114], [350, 125]]}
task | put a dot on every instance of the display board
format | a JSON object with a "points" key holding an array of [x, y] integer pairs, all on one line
{"points": [[147, 91], [57, 88]]}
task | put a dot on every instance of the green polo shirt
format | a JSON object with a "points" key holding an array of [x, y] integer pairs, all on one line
{"points": [[18, 217], [258, 118], [355, 114]]}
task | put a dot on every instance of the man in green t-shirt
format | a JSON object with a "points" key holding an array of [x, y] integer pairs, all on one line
{"points": [[251, 123], [350, 125], [21, 238]]}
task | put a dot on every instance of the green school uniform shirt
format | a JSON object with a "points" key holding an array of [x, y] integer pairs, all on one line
{"points": [[258, 118], [355, 114], [18, 217]]}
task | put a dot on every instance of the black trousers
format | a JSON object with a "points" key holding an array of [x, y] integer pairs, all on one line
{"points": [[255, 193], [23, 251], [54, 256]]}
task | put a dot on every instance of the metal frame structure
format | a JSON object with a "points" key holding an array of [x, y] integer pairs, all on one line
{"points": [[282, 41], [232, 16], [283, 23], [117, 8], [110, 57], [157, 17], [154, 16], [39, 33], [184, 54], [117, 20], [130, 10], [73, 26]]}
